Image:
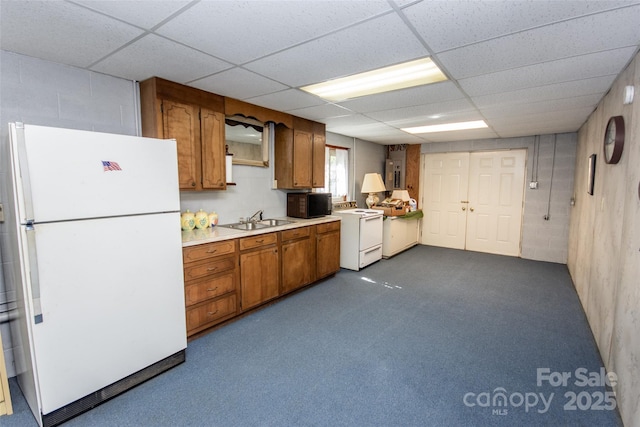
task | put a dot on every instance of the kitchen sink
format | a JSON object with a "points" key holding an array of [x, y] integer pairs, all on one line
{"points": [[274, 222], [245, 226], [265, 223]]}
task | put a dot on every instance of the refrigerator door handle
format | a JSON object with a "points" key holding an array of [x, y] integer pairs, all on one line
{"points": [[23, 166], [33, 273]]}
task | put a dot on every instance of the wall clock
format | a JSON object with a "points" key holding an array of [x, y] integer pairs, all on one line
{"points": [[614, 140]]}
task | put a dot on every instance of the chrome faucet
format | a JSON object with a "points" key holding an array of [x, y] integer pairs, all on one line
{"points": [[255, 216]]}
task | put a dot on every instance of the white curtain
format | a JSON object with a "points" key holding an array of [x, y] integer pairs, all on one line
{"points": [[336, 172]]}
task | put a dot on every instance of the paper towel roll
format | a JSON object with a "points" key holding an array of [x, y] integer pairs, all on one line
{"points": [[228, 168]]}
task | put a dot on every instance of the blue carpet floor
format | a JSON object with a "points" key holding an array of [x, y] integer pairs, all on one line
{"points": [[431, 337]]}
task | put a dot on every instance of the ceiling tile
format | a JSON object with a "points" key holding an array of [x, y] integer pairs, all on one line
{"points": [[427, 94], [580, 67], [147, 14], [553, 42], [238, 83], [241, 31], [322, 112], [286, 100], [544, 128], [555, 105], [367, 46], [356, 120], [596, 85], [138, 61], [541, 123], [437, 112], [61, 32], [461, 135], [449, 24], [395, 137], [378, 132]]}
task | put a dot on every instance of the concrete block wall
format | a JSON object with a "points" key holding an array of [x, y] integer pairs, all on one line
{"points": [[542, 240], [44, 93]]}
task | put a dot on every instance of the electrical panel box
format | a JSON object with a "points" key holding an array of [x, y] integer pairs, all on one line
{"points": [[394, 175]]}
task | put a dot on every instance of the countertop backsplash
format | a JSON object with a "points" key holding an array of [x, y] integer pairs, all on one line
{"points": [[253, 191]]}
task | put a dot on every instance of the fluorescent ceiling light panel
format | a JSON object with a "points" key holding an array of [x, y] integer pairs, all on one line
{"points": [[447, 127], [413, 73]]}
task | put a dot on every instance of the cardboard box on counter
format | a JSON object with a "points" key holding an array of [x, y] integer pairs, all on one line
{"points": [[391, 211]]}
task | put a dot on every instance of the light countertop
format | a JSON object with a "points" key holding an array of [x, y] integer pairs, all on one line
{"points": [[218, 233]]}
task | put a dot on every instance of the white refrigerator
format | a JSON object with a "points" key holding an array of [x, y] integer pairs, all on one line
{"points": [[96, 263]]}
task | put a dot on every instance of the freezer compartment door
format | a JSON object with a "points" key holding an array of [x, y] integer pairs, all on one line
{"points": [[71, 174], [112, 299]]}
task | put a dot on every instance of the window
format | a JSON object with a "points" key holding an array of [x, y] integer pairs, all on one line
{"points": [[336, 172]]}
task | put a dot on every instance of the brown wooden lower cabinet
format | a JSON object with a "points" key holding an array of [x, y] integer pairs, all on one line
{"points": [[327, 249], [224, 279], [297, 258], [259, 271]]}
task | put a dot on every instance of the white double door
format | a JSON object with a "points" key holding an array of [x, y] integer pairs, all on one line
{"points": [[474, 200]]}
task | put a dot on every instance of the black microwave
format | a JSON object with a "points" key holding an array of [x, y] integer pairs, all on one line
{"points": [[308, 205]]}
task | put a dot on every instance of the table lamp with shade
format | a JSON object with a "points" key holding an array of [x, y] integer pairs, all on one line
{"points": [[372, 184], [401, 195]]}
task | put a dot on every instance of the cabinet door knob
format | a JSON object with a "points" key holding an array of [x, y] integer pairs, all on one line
{"points": [[464, 209], [471, 209]]}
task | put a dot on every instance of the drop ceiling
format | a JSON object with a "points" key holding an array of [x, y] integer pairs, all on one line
{"points": [[525, 67]]}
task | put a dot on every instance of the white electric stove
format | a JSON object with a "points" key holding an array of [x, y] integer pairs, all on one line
{"points": [[360, 237]]}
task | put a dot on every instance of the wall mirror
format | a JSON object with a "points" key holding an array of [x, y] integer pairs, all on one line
{"points": [[248, 140]]}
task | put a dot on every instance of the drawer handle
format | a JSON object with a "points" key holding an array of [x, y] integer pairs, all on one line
{"points": [[212, 290], [212, 251], [211, 313], [212, 268], [372, 250], [260, 241]]}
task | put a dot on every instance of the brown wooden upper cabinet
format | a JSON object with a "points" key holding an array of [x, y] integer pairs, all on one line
{"points": [[195, 119], [299, 154]]}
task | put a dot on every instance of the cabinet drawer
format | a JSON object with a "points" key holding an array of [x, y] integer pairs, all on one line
{"points": [[327, 227], [210, 288], [214, 266], [296, 233], [208, 250], [257, 241], [210, 312]]}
